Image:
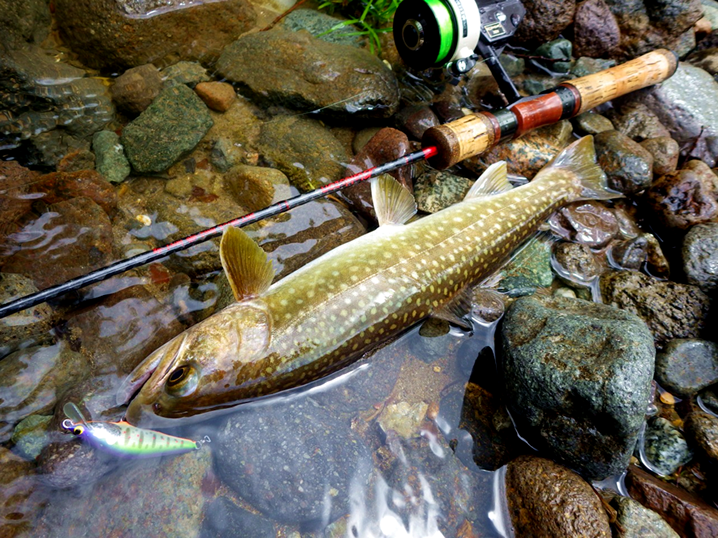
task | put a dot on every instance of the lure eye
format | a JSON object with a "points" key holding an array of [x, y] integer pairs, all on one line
{"points": [[182, 380], [78, 430]]}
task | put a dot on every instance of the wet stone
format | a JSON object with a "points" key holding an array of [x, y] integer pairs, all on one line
{"points": [[588, 66], [687, 366], [362, 138], [665, 446], [111, 160], [546, 499], [31, 436], [528, 270], [631, 254], [436, 190], [671, 310], [224, 519], [317, 23], [256, 187], [403, 418], [75, 161], [637, 121], [416, 120], [589, 223], [557, 49], [433, 340], [700, 256], [701, 430], [634, 520], [665, 153], [27, 327], [591, 123], [135, 89], [568, 362], [545, 19], [218, 96], [306, 74], [596, 31], [72, 463], [575, 263], [681, 199], [64, 186], [627, 164], [172, 126], [189, 73], [293, 462]]}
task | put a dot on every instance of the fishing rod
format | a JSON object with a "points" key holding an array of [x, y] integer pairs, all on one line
{"points": [[443, 146]]}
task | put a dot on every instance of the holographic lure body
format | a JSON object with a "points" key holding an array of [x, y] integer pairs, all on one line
{"points": [[123, 439]]}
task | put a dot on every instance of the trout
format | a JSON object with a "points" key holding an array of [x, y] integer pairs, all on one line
{"points": [[316, 320]]}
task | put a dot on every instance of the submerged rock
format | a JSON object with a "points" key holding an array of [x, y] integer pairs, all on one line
{"points": [[30, 326], [307, 74], [633, 520], [528, 270], [665, 447], [135, 89], [111, 160], [24, 22], [578, 378], [546, 499], [687, 366], [576, 264], [700, 256], [436, 190], [31, 435]]}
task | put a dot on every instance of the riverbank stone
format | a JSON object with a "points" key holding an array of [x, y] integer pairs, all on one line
{"points": [[700, 256], [665, 447], [578, 378], [702, 431], [111, 161], [687, 366], [634, 520], [628, 166]]}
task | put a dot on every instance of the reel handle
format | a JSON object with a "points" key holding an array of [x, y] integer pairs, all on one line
{"points": [[475, 134]]}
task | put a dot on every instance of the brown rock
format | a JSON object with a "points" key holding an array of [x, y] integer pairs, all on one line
{"points": [[637, 121], [255, 187], [595, 29], [115, 34], [589, 223], [13, 181], [416, 120], [682, 199], [80, 159], [701, 430], [665, 153], [687, 514], [135, 89], [218, 96], [72, 463], [545, 19], [61, 186], [546, 499], [17, 505]]}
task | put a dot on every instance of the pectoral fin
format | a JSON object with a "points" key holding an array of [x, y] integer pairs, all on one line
{"points": [[248, 270], [457, 311], [494, 180], [393, 203]]}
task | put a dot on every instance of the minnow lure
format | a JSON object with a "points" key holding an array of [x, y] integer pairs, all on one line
{"points": [[123, 439]]}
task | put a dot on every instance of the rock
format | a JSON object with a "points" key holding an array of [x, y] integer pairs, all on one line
{"points": [[702, 431], [578, 380], [628, 166], [256, 187], [64, 186], [544, 20], [403, 418], [590, 123], [665, 447], [14, 182], [111, 160], [32, 379], [318, 23], [126, 33], [135, 89], [688, 114], [595, 29], [415, 120], [386, 145], [528, 269], [307, 74], [588, 66], [432, 341], [634, 520], [24, 22], [589, 223], [686, 513], [30, 436], [72, 463], [27, 327], [546, 499], [671, 310], [576, 264], [705, 59], [687, 366], [557, 49], [19, 499], [145, 498], [75, 161], [70, 239], [218, 96], [700, 256], [681, 199], [436, 190], [304, 150], [637, 121], [171, 126], [362, 138], [224, 519], [294, 462], [189, 73], [665, 153]]}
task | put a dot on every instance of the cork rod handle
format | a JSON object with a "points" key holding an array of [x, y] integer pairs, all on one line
{"points": [[476, 133]]}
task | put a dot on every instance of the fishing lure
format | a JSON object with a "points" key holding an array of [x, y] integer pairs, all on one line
{"points": [[123, 439]]}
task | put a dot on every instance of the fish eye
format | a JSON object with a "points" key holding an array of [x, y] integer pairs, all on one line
{"points": [[182, 380]]}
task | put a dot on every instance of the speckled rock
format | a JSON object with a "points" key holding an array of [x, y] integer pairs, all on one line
{"points": [[568, 362], [665, 153], [528, 270], [30, 436], [24, 22], [111, 160], [546, 499], [435, 190], [595, 29], [591, 123], [121, 34], [633, 520], [628, 166], [256, 187], [304, 150], [28, 326], [671, 310], [701, 430], [307, 74], [172, 126], [317, 23], [637, 121], [686, 366], [545, 20], [665, 447], [575, 263], [589, 223], [218, 96], [294, 461], [189, 73], [135, 89], [700, 256]]}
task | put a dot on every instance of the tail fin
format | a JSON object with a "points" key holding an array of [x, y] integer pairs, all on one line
{"points": [[580, 160]]}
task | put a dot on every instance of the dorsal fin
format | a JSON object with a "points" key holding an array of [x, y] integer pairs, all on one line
{"points": [[393, 203], [248, 270], [494, 180], [74, 414]]}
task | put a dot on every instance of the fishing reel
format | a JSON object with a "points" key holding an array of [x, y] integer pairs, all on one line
{"points": [[455, 33]]}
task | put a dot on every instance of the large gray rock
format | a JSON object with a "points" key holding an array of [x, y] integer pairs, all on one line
{"points": [[307, 74], [686, 366], [578, 379]]}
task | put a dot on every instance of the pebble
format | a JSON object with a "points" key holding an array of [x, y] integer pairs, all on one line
{"points": [[633, 520], [189, 73], [687, 365], [31, 436], [700, 256], [415, 120], [595, 29], [665, 153], [135, 89], [665, 447], [111, 161], [589, 223], [701, 430], [557, 50], [218, 96], [435, 190], [591, 123], [575, 263], [628, 166], [637, 121], [256, 187], [403, 418]]}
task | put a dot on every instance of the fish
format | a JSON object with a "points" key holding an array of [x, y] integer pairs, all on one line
{"points": [[318, 319], [123, 439]]}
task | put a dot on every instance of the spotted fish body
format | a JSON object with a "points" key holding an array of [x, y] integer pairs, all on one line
{"points": [[327, 313]]}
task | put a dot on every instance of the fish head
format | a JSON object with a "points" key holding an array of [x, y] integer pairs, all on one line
{"points": [[190, 373]]}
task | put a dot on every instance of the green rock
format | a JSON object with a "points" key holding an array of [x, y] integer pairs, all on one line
{"points": [[514, 66], [30, 436], [557, 49], [588, 66], [528, 270], [189, 73], [317, 23], [665, 447], [110, 157], [687, 366], [436, 190], [634, 520], [169, 128]]}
